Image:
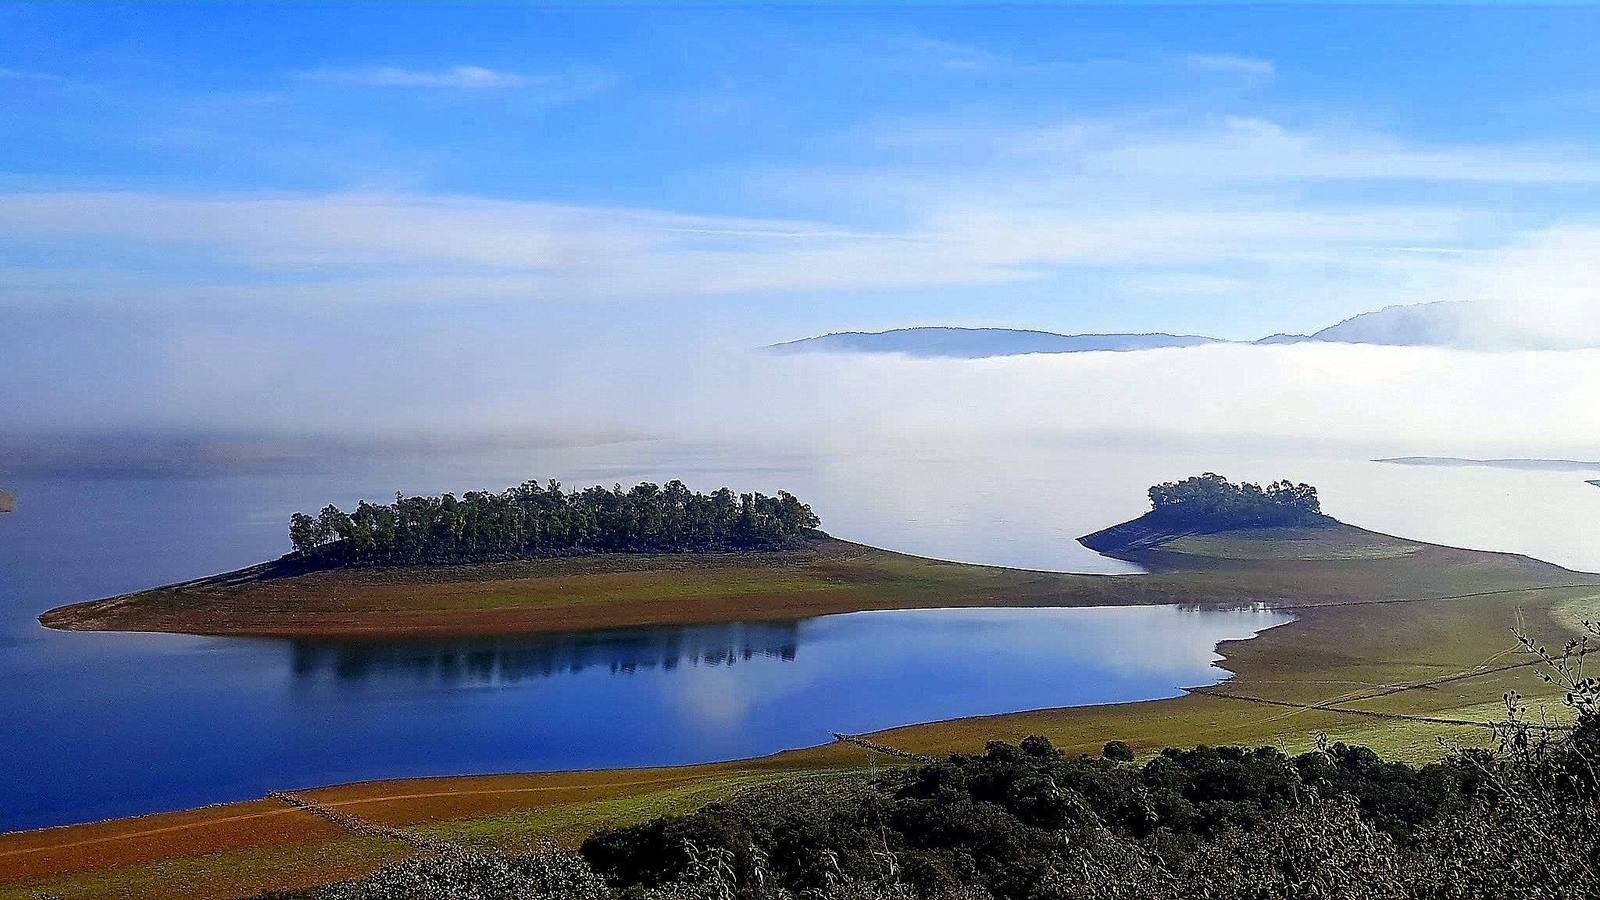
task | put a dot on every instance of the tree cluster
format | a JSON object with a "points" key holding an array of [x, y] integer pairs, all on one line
{"points": [[1212, 500], [533, 520], [1026, 822]]}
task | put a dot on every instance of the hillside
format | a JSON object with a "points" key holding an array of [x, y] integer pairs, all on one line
{"points": [[978, 343], [1205, 540], [1325, 564], [1461, 324], [1441, 324]]}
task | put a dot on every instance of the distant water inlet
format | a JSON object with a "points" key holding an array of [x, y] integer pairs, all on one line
{"points": [[180, 721]]}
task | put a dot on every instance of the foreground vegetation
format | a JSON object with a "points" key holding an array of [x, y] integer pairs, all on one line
{"points": [[1028, 822], [533, 520]]}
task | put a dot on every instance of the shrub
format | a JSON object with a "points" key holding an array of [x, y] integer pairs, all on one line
{"points": [[1117, 751]]}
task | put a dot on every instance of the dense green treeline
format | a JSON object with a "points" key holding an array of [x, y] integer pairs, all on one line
{"points": [[1026, 822], [1210, 500], [534, 519]]}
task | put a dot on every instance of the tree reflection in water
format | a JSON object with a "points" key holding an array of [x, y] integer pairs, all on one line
{"points": [[488, 661]]}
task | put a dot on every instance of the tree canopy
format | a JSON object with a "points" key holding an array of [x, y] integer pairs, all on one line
{"points": [[1210, 500], [533, 520]]}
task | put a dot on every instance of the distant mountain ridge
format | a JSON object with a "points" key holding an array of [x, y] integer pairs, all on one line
{"points": [[977, 343], [1507, 463], [1446, 323]]}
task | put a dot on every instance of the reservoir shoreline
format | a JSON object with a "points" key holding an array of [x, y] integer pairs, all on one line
{"points": [[1388, 634]]}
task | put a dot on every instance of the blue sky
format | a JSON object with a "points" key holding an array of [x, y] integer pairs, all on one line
{"points": [[294, 178]]}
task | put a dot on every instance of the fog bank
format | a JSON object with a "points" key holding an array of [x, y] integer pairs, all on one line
{"points": [[1346, 399]]}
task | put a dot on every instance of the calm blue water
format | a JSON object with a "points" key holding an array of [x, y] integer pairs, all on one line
{"points": [[101, 725]]}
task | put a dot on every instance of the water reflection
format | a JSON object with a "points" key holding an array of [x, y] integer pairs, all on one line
{"points": [[491, 661]]}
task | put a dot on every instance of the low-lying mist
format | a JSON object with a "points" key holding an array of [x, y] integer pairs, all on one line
{"points": [[1001, 461], [1341, 399]]}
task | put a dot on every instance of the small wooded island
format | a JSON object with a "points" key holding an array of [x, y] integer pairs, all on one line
{"points": [[8, 501], [536, 558]]}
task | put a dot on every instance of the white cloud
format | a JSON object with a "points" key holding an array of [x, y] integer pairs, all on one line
{"points": [[19, 75], [1327, 395], [1540, 290], [957, 57], [1225, 62], [1198, 213], [1184, 283], [350, 246], [1245, 149], [456, 77]]}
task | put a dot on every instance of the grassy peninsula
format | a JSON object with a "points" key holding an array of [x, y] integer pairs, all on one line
{"points": [[1204, 542], [1396, 645]]}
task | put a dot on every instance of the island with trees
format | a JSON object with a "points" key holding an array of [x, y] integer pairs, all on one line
{"points": [[538, 558], [1211, 504], [8, 501]]}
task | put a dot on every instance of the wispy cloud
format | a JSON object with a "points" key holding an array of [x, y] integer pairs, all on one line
{"points": [[955, 56], [442, 248], [1070, 206], [1242, 149], [1226, 62], [20, 75], [466, 77]]}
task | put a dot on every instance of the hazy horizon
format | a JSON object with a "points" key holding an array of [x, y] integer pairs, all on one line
{"points": [[380, 223]]}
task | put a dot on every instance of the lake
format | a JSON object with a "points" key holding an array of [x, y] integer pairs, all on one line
{"points": [[101, 725]]}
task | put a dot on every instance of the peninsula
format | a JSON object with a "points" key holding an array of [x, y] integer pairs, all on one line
{"points": [[651, 560]]}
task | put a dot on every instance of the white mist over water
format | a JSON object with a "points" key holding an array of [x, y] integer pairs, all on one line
{"points": [[1009, 460], [1004, 460]]}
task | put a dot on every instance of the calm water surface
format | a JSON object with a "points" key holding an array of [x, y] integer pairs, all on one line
{"points": [[99, 725], [155, 722]]}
